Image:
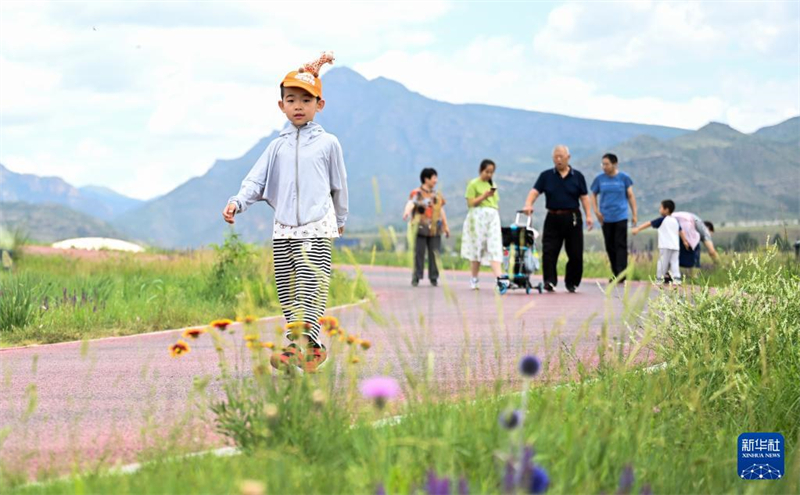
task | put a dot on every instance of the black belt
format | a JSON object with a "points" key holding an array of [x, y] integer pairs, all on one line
{"points": [[564, 212]]}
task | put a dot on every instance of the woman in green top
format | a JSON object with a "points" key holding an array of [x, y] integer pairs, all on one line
{"points": [[481, 237]]}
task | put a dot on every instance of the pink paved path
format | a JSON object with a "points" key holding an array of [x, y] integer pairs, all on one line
{"points": [[96, 403]]}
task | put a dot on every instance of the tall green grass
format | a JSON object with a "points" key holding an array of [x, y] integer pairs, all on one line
{"points": [[730, 365], [49, 299]]}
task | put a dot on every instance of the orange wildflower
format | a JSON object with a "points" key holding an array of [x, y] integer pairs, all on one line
{"points": [[329, 323], [221, 324], [246, 319], [193, 333], [365, 344], [250, 337], [296, 328], [268, 345], [178, 348], [351, 339], [355, 360]]}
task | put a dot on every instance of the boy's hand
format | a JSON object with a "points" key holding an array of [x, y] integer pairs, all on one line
{"points": [[686, 245], [635, 230], [447, 232], [341, 230], [228, 212]]}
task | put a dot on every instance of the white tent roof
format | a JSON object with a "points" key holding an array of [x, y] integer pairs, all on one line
{"points": [[98, 243]]}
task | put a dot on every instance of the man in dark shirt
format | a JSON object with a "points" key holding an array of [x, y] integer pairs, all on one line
{"points": [[563, 187]]}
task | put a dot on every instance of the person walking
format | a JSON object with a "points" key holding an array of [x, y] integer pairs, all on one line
{"points": [[615, 191], [564, 189], [482, 241], [425, 208]]}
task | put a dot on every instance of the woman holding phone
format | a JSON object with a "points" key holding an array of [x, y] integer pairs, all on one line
{"points": [[481, 241]]}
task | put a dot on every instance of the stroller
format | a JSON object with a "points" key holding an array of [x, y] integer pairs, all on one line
{"points": [[521, 236]]}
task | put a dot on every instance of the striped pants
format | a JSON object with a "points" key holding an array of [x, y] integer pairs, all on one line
{"points": [[303, 276]]}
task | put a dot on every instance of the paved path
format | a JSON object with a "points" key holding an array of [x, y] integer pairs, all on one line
{"points": [[110, 399]]}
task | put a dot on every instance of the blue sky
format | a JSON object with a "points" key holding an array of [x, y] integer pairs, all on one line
{"points": [[142, 96]]}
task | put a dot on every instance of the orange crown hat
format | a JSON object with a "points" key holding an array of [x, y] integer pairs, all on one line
{"points": [[307, 77]]}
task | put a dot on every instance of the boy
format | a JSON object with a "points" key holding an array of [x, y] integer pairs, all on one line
{"points": [[670, 235], [426, 208], [301, 175]]}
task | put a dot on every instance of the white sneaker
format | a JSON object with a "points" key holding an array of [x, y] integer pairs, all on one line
{"points": [[473, 283]]}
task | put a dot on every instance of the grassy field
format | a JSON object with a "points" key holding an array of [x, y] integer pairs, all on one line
{"points": [[47, 299], [730, 365]]}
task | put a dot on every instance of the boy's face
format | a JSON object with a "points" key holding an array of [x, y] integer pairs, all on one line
{"points": [[663, 211], [300, 106]]}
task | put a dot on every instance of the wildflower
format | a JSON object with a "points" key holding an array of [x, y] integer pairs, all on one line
{"points": [[193, 333], [529, 366], [318, 397], [271, 411], [355, 360], [626, 480], [221, 324], [539, 480], [333, 333], [251, 337], [351, 339], [253, 344], [436, 485], [380, 490], [268, 345], [656, 409], [296, 328], [178, 348], [246, 319], [380, 389], [463, 486], [328, 323], [252, 487], [510, 419], [365, 344]]}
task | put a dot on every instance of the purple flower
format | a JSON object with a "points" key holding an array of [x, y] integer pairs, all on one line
{"points": [[436, 485], [626, 480], [510, 419], [380, 389], [646, 490], [539, 481], [463, 487], [380, 490], [529, 366]]}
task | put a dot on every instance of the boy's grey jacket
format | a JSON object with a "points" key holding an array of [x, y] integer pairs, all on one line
{"points": [[296, 175]]}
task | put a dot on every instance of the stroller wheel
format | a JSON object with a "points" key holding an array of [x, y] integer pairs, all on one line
{"points": [[540, 287]]}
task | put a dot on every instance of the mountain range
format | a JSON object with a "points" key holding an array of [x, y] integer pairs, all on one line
{"points": [[389, 134]]}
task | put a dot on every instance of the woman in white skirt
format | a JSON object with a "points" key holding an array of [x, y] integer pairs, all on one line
{"points": [[481, 241]]}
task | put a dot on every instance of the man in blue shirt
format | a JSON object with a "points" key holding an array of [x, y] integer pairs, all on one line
{"points": [[563, 187], [615, 189]]}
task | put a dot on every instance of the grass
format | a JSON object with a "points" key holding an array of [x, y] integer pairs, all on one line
{"points": [[732, 366], [47, 299]]}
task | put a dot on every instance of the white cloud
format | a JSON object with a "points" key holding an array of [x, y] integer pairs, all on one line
{"points": [[141, 96]]}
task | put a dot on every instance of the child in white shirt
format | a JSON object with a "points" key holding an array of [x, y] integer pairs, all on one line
{"points": [[670, 235]]}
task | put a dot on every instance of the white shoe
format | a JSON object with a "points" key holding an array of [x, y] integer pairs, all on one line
{"points": [[473, 283]]}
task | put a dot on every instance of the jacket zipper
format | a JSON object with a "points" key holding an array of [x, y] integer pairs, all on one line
{"points": [[297, 174]]}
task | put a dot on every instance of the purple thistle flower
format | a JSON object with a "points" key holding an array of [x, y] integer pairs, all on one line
{"points": [[539, 481], [510, 419], [529, 366], [463, 486], [626, 480], [436, 485], [380, 490], [380, 389]]}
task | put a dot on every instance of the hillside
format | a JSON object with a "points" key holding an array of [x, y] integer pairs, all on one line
{"points": [[50, 222]]}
